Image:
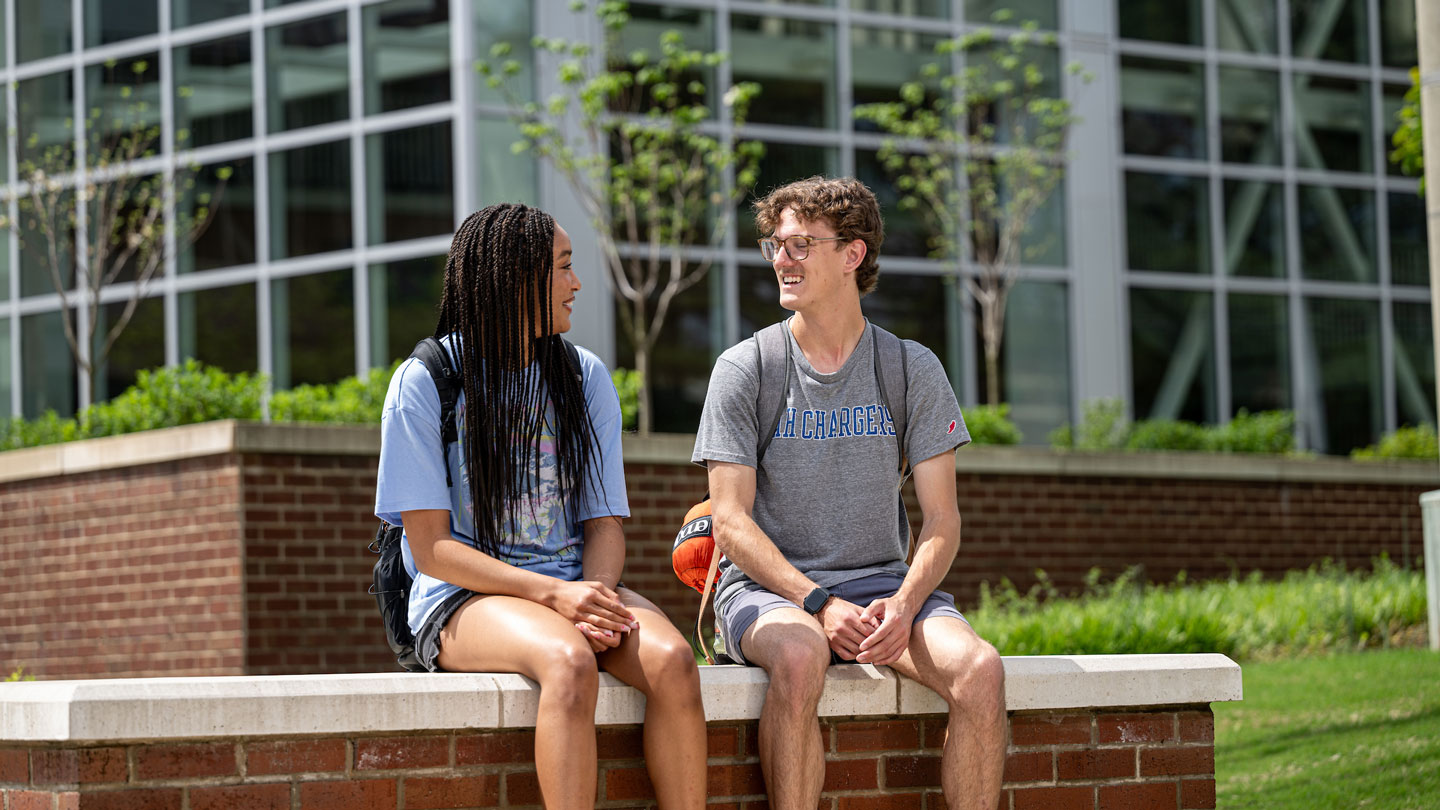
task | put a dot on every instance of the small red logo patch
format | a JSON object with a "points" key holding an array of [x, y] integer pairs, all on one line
{"points": [[952, 428]]}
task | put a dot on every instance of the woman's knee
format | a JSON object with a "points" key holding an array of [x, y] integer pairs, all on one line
{"points": [[567, 672], [670, 670]]}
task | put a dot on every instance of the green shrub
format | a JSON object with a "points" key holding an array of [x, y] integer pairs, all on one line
{"points": [[1264, 432], [1407, 442], [1103, 426], [353, 400], [174, 395], [990, 424], [1163, 434], [48, 428], [18, 674], [627, 386]]}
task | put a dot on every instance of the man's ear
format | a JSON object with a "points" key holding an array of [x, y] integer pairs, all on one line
{"points": [[855, 251]]}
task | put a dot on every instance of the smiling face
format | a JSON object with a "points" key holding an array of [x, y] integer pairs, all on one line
{"points": [[825, 276], [563, 285]]}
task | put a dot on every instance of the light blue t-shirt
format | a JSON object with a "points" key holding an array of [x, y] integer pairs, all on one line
{"points": [[412, 476]]}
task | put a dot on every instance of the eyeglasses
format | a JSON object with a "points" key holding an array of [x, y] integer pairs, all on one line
{"points": [[796, 247]]}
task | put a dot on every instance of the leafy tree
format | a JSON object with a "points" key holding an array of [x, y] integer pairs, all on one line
{"points": [[633, 134], [1408, 140], [105, 215], [976, 153]]}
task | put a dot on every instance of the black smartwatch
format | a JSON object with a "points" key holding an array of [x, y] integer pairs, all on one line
{"points": [[815, 600]]}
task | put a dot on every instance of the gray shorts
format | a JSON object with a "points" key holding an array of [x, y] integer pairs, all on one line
{"points": [[745, 607]]}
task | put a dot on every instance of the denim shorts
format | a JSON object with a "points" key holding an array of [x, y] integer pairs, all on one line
{"points": [[745, 607]]}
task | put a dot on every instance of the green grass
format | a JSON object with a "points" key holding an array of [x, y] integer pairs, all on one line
{"points": [[1343, 731]]}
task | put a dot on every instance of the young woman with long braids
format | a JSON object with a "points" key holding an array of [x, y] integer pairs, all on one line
{"points": [[518, 563]]}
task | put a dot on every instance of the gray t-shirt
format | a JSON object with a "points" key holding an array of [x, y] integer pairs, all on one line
{"points": [[826, 493]]}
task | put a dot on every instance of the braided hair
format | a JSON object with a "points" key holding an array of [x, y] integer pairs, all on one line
{"points": [[495, 302]]}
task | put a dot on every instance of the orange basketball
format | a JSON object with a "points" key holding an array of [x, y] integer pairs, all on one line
{"points": [[694, 547]]}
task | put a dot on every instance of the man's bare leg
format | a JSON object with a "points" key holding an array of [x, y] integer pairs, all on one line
{"points": [[946, 656], [791, 647]]}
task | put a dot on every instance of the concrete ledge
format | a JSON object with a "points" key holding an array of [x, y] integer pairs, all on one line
{"points": [[197, 708], [211, 438]]}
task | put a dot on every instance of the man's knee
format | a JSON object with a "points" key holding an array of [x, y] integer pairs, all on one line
{"points": [[978, 681], [796, 662]]}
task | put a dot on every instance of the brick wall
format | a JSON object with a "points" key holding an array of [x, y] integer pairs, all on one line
{"points": [[1161, 759]]}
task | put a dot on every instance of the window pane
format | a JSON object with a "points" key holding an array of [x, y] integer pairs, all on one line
{"points": [[794, 60], [404, 305], [1161, 20], [890, 59], [1392, 98], [1172, 355], [1167, 222], [37, 269], [1034, 359], [781, 164], [907, 232], [912, 307], [759, 298], [1329, 29], [1337, 233], [42, 28], [680, 362], [308, 73], [47, 368], [1414, 364], [217, 327], [229, 237], [1397, 34], [411, 183], [140, 345], [648, 24], [1259, 353], [1254, 229], [5, 264], [114, 20], [1332, 123], [504, 177], [1042, 12], [1163, 107], [1249, 116], [506, 21], [46, 108], [1247, 25], [124, 101], [904, 8], [1409, 256], [194, 12], [313, 319], [310, 200], [214, 94], [1345, 372], [7, 374], [407, 54]]}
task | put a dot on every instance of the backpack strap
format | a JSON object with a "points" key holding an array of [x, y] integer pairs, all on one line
{"points": [[893, 377], [772, 350], [574, 354], [447, 384]]}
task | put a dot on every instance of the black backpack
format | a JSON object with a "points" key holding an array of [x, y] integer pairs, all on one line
{"points": [[391, 582]]}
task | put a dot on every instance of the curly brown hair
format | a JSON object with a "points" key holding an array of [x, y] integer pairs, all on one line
{"points": [[844, 204]]}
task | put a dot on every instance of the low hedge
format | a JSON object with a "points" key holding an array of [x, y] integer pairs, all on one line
{"points": [[1104, 426]]}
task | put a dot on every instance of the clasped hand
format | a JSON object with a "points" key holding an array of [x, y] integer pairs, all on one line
{"points": [[596, 611], [877, 634]]}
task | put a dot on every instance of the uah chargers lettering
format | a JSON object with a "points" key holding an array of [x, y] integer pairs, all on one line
{"points": [[835, 423]]}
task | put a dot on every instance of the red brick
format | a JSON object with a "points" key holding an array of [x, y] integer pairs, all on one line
{"points": [[912, 772], [889, 801], [1049, 729], [522, 788], [294, 756], [722, 741], [15, 765], [1055, 798], [150, 799], [1197, 794], [1198, 759], [620, 743], [364, 794], [1138, 797], [1032, 766], [935, 731], [29, 800], [627, 783], [1197, 727], [84, 766], [241, 797], [1136, 728], [401, 752], [851, 774], [889, 735], [432, 793], [734, 780], [1096, 763], [495, 747], [185, 761]]}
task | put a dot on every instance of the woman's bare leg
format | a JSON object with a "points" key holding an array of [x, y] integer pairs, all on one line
{"points": [[658, 661], [507, 634]]}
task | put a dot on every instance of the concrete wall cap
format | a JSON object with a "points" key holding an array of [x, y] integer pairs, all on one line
{"points": [[288, 705]]}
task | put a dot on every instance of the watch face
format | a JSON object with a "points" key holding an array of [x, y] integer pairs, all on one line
{"points": [[816, 600]]}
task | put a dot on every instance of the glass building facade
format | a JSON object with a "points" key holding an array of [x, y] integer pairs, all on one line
{"points": [[1230, 234]]}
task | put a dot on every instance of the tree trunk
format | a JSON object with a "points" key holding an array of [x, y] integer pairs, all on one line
{"points": [[643, 417], [992, 371]]}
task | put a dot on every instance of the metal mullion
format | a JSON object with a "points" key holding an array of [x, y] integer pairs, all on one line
{"points": [[789, 12], [309, 136], [1299, 339], [288, 14], [82, 222], [1410, 294], [1341, 289], [1154, 279], [170, 299], [1184, 166], [795, 136], [1159, 50], [265, 349], [963, 310], [1388, 395], [405, 119], [729, 252], [1219, 272], [359, 192], [1257, 61], [1324, 177], [845, 95], [12, 210], [462, 94], [1335, 70]]}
